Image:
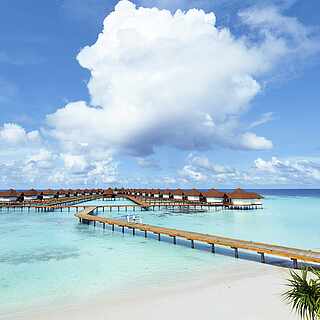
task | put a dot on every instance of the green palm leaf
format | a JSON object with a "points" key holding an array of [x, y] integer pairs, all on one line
{"points": [[303, 293]]}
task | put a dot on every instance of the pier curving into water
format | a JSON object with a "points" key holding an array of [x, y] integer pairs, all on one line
{"points": [[86, 216]]}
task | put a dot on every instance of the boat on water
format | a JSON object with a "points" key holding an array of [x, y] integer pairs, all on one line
{"points": [[132, 218]]}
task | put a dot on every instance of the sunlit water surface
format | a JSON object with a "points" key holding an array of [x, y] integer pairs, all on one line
{"points": [[50, 257]]}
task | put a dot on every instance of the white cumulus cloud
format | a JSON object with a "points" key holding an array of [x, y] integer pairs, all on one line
{"points": [[164, 79], [13, 134], [250, 140]]}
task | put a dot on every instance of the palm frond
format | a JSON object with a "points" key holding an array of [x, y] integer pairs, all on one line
{"points": [[303, 293]]}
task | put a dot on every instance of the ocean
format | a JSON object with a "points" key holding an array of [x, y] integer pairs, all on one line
{"points": [[50, 258]]}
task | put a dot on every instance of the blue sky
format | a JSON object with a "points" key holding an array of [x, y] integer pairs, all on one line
{"points": [[126, 118]]}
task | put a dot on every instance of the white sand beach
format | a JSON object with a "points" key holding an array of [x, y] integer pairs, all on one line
{"points": [[249, 291]]}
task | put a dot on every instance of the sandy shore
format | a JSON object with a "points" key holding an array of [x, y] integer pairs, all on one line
{"points": [[244, 291]]}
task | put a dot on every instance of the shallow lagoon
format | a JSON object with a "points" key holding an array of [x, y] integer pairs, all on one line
{"points": [[48, 257]]}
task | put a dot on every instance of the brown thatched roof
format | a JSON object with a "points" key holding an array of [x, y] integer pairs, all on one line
{"points": [[193, 192], [242, 194], [213, 193]]}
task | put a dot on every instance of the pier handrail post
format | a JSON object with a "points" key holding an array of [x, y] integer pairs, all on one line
{"points": [[295, 263], [236, 252], [263, 259]]}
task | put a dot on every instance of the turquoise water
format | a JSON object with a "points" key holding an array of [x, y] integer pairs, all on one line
{"points": [[48, 257]]}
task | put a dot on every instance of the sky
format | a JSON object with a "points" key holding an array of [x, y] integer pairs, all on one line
{"points": [[159, 93]]}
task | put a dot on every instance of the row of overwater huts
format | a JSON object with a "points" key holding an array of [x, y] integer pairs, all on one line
{"points": [[235, 197], [32, 194]]}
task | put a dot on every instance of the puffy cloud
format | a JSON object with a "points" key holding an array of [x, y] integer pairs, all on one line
{"points": [[75, 163], [43, 159], [190, 174], [164, 79], [44, 167], [201, 171], [104, 171], [250, 140], [203, 162], [161, 78], [12, 134], [89, 169], [301, 171]]}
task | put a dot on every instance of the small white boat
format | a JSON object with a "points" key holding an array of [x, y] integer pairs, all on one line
{"points": [[133, 218]]}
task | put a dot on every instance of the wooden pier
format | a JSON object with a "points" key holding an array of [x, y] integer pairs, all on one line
{"points": [[139, 204], [50, 202], [138, 201], [62, 207], [294, 254]]}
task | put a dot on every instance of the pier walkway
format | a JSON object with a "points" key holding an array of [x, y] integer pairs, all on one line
{"points": [[235, 244], [62, 207], [138, 201]]}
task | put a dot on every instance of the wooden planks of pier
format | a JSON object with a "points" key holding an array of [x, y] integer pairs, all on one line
{"points": [[138, 201], [294, 254]]}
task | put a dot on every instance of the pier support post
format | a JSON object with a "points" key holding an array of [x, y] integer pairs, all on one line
{"points": [[145, 233], [213, 249], [122, 229], [236, 252], [133, 231], [113, 227], [174, 240], [104, 225], [159, 237], [94, 223], [295, 263], [192, 244], [263, 259]]}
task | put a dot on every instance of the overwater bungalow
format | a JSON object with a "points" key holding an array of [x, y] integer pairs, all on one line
{"points": [[31, 194], [177, 194], [165, 194], [150, 193], [213, 196], [8, 195], [242, 197], [20, 197], [156, 193], [146, 193], [95, 191], [71, 192], [108, 193], [40, 195], [63, 193], [192, 195], [99, 191], [48, 193]]}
